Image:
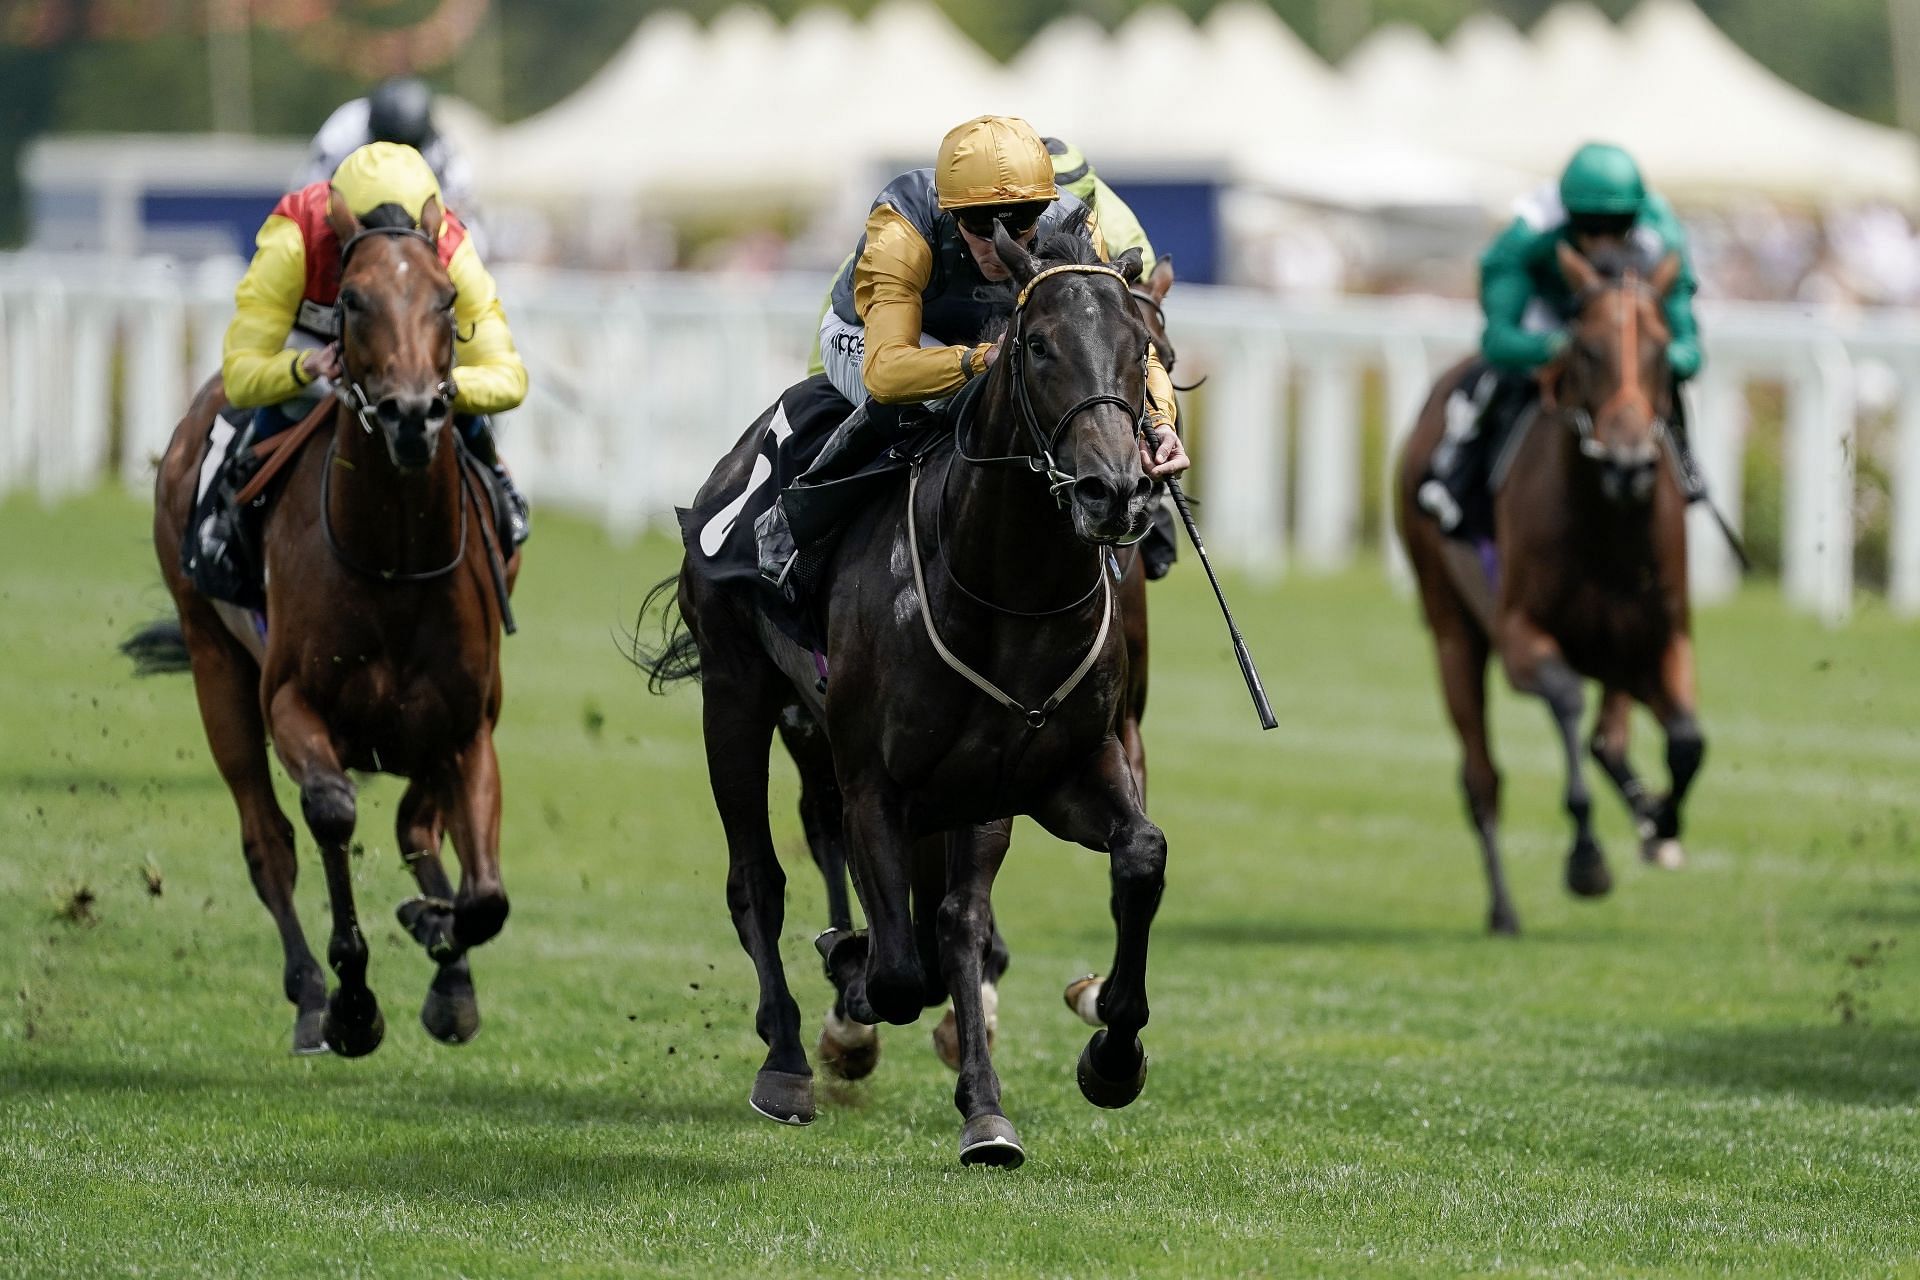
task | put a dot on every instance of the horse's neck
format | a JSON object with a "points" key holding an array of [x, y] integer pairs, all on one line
{"points": [[385, 519], [1003, 534]]}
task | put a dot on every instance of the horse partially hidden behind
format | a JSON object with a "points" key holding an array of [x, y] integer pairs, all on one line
{"points": [[925, 739], [382, 642], [1591, 578]]}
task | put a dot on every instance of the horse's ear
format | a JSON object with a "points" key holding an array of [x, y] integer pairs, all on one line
{"points": [[432, 217], [1160, 279], [1014, 258], [340, 218], [1580, 274], [1665, 276], [1128, 265]]}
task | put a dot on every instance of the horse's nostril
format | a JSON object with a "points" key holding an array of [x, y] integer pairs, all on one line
{"points": [[1095, 493], [1142, 488]]}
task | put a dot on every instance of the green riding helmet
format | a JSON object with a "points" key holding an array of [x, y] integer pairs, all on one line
{"points": [[1602, 180]]}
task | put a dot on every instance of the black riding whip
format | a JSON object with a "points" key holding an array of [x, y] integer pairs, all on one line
{"points": [[1258, 691]]}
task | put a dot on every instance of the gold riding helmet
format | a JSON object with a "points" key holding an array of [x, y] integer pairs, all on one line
{"points": [[386, 173], [993, 163]]}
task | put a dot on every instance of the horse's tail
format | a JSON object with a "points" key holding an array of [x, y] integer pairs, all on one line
{"points": [[676, 657], [158, 649]]}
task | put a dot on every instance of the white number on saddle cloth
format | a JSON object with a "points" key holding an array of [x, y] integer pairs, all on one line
{"points": [[714, 535], [218, 441]]}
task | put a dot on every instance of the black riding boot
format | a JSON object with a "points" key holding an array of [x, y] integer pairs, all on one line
{"points": [[1692, 484], [1161, 547], [477, 432], [1480, 416]]}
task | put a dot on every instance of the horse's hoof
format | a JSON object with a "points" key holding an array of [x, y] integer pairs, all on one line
{"points": [[451, 1013], [430, 922], [848, 1050], [946, 1044], [1667, 854], [1102, 1092], [1504, 924], [1587, 874], [310, 1032], [990, 1140], [783, 1096], [1083, 997], [354, 1028]]}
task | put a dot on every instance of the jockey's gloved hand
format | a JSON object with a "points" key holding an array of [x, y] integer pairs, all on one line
{"points": [[1165, 457], [321, 362]]}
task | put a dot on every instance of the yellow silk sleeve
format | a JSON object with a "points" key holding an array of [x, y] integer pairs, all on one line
{"points": [[488, 374], [255, 365], [1162, 408], [887, 282]]}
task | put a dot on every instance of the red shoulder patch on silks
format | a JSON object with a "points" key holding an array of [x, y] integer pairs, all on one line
{"points": [[307, 210]]}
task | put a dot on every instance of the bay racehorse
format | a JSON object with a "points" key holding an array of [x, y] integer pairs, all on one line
{"points": [[1590, 576], [381, 649], [925, 738]]}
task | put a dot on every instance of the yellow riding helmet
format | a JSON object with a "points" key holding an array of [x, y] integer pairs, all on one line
{"points": [[993, 160], [386, 173]]}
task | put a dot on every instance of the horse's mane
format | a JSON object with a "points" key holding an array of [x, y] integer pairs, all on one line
{"points": [[1614, 261], [387, 215], [1069, 243]]}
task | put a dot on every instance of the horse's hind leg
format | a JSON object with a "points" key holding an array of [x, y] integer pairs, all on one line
{"points": [[1535, 665], [846, 1048], [226, 682], [1674, 704], [1462, 652], [1102, 811], [741, 699], [354, 1025], [1612, 728], [965, 927], [450, 1013]]}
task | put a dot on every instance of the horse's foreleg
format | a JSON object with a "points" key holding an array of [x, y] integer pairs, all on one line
{"points": [[450, 1013], [354, 1026], [1674, 704], [1102, 811], [889, 986], [738, 713], [1535, 665], [473, 820], [1612, 729], [965, 924], [226, 682], [1462, 654]]}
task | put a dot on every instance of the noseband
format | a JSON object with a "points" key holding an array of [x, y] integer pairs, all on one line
{"points": [[351, 393], [1040, 458]]}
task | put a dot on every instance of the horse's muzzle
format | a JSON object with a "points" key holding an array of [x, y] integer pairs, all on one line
{"points": [[1627, 475], [1107, 512], [412, 426]]}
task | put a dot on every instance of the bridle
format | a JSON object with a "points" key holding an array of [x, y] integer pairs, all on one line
{"points": [[1630, 392], [348, 387], [363, 412], [1040, 458]]}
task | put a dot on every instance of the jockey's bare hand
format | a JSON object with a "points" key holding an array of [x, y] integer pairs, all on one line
{"points": [[322, 362], [1165, 458], [993, 354]]}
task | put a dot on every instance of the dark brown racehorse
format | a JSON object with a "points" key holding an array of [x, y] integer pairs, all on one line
{"points": [[997, 549], [849, 1049], [1590, 533], [382, 645]]}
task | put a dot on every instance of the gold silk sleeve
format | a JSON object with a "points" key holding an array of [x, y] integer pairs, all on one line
{"points": [[887, 282], [488, 375], [255, 365], [1162, 408]]}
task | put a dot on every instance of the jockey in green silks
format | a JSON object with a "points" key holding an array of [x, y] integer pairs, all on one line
{"points": [[1600, 203]]}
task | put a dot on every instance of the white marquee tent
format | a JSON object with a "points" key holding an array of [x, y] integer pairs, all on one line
{"points": [[748, 108]]}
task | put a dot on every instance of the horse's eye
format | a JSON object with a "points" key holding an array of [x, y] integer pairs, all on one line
{"points": [[1037, 347], [352, 300]]}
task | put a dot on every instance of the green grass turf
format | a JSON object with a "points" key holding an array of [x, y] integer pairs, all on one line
{"points": [[1347, 1074]]}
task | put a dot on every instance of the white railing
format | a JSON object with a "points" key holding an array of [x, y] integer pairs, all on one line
{"points": [[640, 383]]}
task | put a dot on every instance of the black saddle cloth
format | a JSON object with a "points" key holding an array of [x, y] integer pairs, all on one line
{"points": [[823, 467]]}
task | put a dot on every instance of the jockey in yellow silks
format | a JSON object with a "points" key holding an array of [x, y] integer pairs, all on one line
{"points": [[282, 346]]}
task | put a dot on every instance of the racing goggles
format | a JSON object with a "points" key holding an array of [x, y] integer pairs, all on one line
{"points": [[1018, 219]]}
